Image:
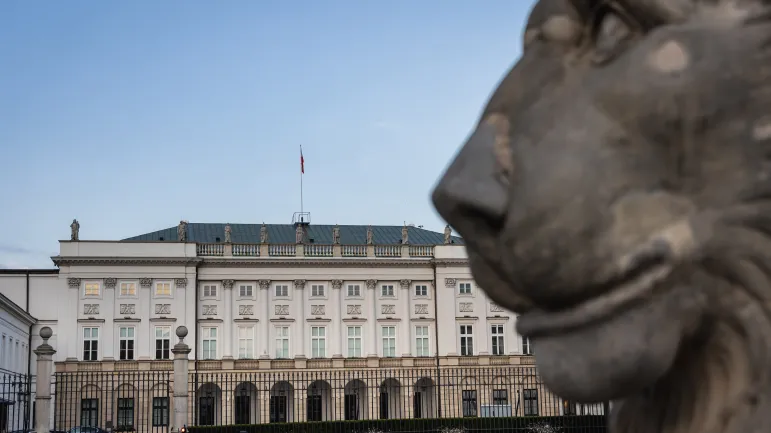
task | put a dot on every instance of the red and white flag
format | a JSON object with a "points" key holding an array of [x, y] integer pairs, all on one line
{"points": [[302, 161]]}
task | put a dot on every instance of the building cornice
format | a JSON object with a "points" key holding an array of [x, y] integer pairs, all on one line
{"points": [[129, 261], [451, 263], [259, 262], [16, 310]]}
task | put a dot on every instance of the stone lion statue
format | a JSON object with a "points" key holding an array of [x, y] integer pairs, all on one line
{"points": [[616, 194]]}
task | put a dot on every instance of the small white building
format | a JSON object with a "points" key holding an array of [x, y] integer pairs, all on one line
{"points": [[15, 326]]}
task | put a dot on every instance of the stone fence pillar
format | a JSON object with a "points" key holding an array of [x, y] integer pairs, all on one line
{"points": [[45, 360], [180, 351]]}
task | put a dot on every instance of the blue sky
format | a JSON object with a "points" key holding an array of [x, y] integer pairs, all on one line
{"points": [[130, 116]]}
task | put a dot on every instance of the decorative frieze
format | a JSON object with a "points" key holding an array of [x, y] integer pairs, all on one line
{"points": [[371, 284], [209, 310], [318, 310], [299, 284], [466, 307], [337, 284], [228, 284], [74, 283], [127, 309], [264, 284], [405, 283], [282, 310], [91, 309], [110, 283], [180, 282], [146, 282], [421, 308], [162, 308], [388, 309], [450, 282], [495, 308], [246, 310], [353, 309]]}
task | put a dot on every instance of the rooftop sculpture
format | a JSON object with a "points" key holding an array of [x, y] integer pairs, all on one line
{"points": [[616, 193]]}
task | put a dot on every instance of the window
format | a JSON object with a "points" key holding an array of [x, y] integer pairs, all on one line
{"points": [[125, 413], [282, 291], [354, 341], [469, 402], [209, 291], [126, 339], [389, 341], [421, 290], [387, 290], [162, 342], [527, 348], [245, 342], [246, 291], [464, 288], [164, 289], [354, 290], [89, 412], [91, 289], [282, 342], [421, 341], [160, 411], [500, 397], [128, 289], [209, 343], [530, 397], [90, 344], [497, 335], [466, 340], [317, 290], [318, 341]]}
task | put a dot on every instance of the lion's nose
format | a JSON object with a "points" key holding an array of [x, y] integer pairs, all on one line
{"points": [[470, 191]]}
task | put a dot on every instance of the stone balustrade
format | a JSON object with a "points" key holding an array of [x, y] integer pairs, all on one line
{"points": [[242, 250], [298, 364]]}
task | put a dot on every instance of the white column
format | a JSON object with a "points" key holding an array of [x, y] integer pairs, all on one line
{"points": [[70, 327], [300, 349], [143, 330], [372, 322], [336, 315], [404, 330], [227, 329], [264, 300]]}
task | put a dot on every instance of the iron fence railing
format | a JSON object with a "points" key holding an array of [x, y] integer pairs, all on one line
{"points": [[119, 401], [15, 401], [444, 399], [502, 394]]}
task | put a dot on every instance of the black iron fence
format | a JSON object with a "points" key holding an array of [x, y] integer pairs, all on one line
{"points": [[120, 401], [15, 401], [447, 400], [474, 398]]}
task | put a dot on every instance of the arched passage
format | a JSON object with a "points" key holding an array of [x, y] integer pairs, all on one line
{"points": [[391, 399], [356, 406], [246, 404], [281, 397]]}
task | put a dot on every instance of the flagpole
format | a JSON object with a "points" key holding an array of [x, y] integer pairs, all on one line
{"points": [[302, 170]]}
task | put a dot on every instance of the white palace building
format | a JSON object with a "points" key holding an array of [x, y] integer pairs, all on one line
{"points": [[287, 322]]}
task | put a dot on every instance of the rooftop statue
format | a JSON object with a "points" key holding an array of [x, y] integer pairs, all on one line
{"points": [[616, 193]]}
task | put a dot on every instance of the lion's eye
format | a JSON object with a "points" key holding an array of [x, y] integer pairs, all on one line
{"points": [[610, 34]]}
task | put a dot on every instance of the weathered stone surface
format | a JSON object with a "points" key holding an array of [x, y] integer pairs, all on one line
{"points": [[616, 194]]}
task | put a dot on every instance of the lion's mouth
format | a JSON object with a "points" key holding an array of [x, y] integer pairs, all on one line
{"points": [[616, 296]]}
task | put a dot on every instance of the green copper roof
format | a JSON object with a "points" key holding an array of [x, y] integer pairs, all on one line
{"points": [[285, 234]]}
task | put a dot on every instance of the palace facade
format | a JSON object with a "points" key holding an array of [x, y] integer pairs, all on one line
{"points": [[274, 312]]}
